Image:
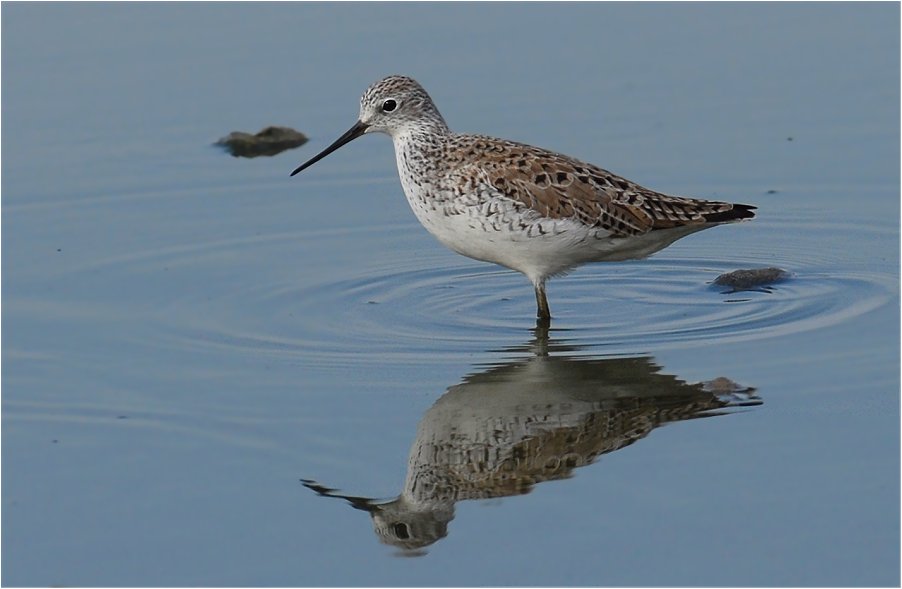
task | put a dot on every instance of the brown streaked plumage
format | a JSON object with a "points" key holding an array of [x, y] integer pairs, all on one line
{"points": [[526, 208], [560, 187]]}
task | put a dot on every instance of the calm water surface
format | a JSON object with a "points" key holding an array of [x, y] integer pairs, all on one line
{"points": [[214, 374]]}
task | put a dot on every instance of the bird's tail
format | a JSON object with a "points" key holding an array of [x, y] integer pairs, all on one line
{"points": [[737, 213]]}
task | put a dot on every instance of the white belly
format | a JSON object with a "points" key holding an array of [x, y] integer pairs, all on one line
{"points": [[498, 231]]}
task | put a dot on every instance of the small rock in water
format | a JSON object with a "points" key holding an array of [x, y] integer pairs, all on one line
{"points": [[269, 141], [752, 278]]}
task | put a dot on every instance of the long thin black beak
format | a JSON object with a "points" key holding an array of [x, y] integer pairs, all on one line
{"points": [[353, 133], [361, 503]]}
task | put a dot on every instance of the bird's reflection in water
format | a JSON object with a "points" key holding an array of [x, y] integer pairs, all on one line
{"points": [[530, 420]]}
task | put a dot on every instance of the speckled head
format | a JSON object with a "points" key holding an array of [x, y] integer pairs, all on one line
{"points": [[395, 105], [398, 104]]}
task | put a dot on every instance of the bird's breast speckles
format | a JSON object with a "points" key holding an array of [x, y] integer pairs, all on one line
{"points": [[467, 189]]}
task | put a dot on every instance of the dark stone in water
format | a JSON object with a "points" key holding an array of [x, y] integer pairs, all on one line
{"points": [[269, 141], [752, 278]]}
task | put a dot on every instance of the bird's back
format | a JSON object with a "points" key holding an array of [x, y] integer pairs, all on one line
{"points": [[557, 186]]}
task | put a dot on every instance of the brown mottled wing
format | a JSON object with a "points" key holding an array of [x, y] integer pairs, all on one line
{"points": [[675, 211], [559, 187]]}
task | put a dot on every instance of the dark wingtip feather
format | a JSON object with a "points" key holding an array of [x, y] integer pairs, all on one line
{"points": [[737, 213]]}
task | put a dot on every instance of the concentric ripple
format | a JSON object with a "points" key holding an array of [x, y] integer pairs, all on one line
{"points": [[307, 298]]}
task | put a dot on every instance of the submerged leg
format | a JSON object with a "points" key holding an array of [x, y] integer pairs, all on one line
{"points": [[543, 313]]}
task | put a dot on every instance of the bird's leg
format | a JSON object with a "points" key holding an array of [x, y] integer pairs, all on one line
{"points": [[543, 313], [539, 345]]}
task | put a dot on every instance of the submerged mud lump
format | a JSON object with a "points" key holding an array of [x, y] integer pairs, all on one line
{"points": [[269, 141], [751, 278]]}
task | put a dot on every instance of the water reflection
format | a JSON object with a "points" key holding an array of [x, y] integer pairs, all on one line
{"points": [[529, 420]]}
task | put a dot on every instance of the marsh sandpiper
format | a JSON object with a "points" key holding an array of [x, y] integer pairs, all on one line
{"points": [[529, 209]]}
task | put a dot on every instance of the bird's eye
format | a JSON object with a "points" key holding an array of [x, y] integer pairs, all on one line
{"points": [[389, 105]]}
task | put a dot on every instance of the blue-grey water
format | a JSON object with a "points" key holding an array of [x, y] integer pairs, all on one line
{"points": [[214, 374]]}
